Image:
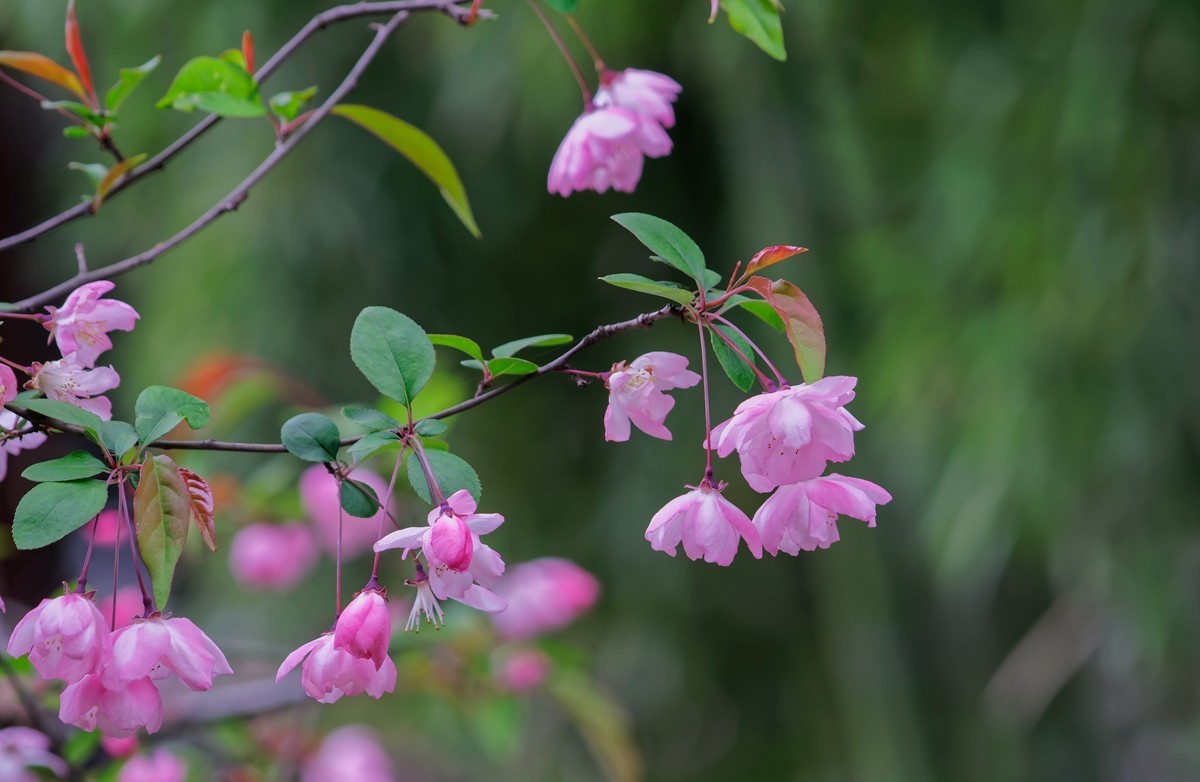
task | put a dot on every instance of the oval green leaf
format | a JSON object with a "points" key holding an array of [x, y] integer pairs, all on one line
{"points": [[393, 352], [370, 418], [672, 291], [312, 437], [671, 245], [159, 409], [738, 370], [50, 511], [71, 467], [161, 516], [358, 499], [540, 341], [461, 344], [450, 472]]}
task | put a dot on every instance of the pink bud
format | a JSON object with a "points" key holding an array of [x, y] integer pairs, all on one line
{"points": [[272, 556], [450, 543], [543, 595], [364, 628]]}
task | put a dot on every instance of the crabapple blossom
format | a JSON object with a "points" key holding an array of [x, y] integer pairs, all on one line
{"points": [[319, 494], [68, 380], [365, 627], [605, 148], [328, 672], [119, 748], [117, 708], [349, 754], [707, 524], [272, 556], [517, 670], [543, 595], [803, 516], [22, 749], [790, 435], [646, 93], [635, 393], [82, 324], [157, 647], [8, 385], [65, 637], [160, 766], [9, 422]]}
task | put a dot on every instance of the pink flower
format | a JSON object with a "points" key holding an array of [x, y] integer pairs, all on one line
{"points": [[129, 607], [22, 749], [322, 504], [119, 748], [803, 516], [272, 556], [328, 672], [65, 638], [790, 435], [605, 148], [484, 568], [13, 446], [716, 5], [162, 766], [635, 393], [117, 708], [519, 670], [82, 325], [157, 647], [543, 596], [68, 380], [364, 628], [108, 528], [8, 385], [646, 93], [349, 754], [708, 525]]}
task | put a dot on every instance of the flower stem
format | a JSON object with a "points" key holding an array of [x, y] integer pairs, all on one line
{"points": [[763, 380], [148, 606], [419, 452], [38, 316], [81, 582], [384, 516], [15, 365], [566, 53], [778, 375], [587, 43], [708, 468]]}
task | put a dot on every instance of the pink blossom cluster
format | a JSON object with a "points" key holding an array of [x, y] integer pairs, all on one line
{"points": [[111, 676]]}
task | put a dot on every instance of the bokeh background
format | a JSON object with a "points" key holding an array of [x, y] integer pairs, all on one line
{"points": [[1001, 199]]}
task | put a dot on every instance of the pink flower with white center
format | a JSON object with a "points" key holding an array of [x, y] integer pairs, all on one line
{"points": [[544, 595], [646, 93], [161, 766], [8, 385], [635, 393], [803, 516], [349, 754], [23, 749], [708, 525], [81, 326], [606, 148], [68, 380], [328, 672], [118, 708], [484, 567], [790, 435], [518, 670], [158, 646], [272, 556], [364, 627], [322, 504], [11, 446], [65, 638]]}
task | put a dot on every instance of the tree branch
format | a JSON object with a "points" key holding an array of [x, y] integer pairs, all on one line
{"points": [[158, 162]]}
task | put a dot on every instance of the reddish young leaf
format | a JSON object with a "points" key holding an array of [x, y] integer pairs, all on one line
{"points": [[248, 51], [78, 58], [772, 255], [802, 323], [200, 500], [44, 68]]}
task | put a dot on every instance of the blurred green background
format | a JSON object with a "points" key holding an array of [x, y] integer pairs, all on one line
{"points": [[1001, 199]]}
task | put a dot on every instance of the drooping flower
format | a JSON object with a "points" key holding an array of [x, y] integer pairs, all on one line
{"points": [[68, 380], [635, 393], [65, 637], [319, 494], [8, 385], [605, 148], [349, 754], [425, 604], [521, 669], [11, 446], [272, 556], [81, 326], [118, 708], [790, 435], [708, 525], [646, 93], [23, 749], [328, 672], [157, 647], [160, 766], [543, 595], [364, 627], [803, 516]]}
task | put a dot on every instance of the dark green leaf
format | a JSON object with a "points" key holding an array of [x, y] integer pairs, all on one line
{"points": [[541, 341], [118, 437], [672, 245], [636, 282], [358, 499], [70, 414], [760, 309], [159, 409], [288, 104], [461, 344], [370, 418], [71, 467], [566, 6], [393, 353], [161, 516], [450, 472], [50, 511], [759, 21], [511, 366], [371, 443], [128, 80], [312, 437], [217, 85], [738, 371], [711, 278], [430, 427]]}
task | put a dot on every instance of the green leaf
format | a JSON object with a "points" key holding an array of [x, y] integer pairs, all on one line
{"points": [[566, 6], [511, 366], [802, 324], [371, 443], [76, 131], [672, 245], [70, 414], [358, 499], [711, 278], [370, 418], [51, 511], [738, 370], [541, 341], [461, 344], [760, 309], [159, 409], [393, 353], [73, 466], [422, 151], [118, 437], [161, 516], [93, 171], [218, 85], [312, 437], [759, 21], [430, 427], [288, 104], [81, 110], [666, 290], [127, 82], [450, 472]]}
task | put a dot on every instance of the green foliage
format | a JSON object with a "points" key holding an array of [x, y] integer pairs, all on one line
{"points": [[118, 437], [392, 352], [738, 370], [566, 6], [509, 349], [759, 21], [288, 105], [358, 499], [161, 516], [672, 291], [312, 437], [50, 511], [218, 85], [449, 471], [430, 427], [66, 413], [159, 409], [127, 82], [669, 244], [461, 344], [758, 308], [73, 466], [371, 443], [370, 418]]}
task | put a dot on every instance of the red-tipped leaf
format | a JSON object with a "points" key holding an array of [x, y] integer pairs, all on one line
{"points": [[801, 323], [769, 256], [248, 51], [78, 57], [200, 501], [44, 68]]}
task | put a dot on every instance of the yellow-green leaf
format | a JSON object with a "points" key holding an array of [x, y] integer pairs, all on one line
{"points": [[44, 68], [802, 323], [161, 512], [113, 176]]}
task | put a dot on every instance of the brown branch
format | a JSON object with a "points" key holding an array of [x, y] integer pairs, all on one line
{"points": [[158, 162]]}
